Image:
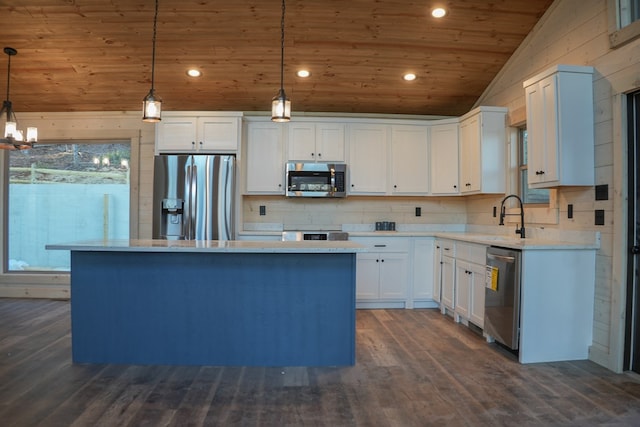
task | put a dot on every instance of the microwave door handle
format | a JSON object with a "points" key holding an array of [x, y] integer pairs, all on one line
{"points": [[333, 181]]}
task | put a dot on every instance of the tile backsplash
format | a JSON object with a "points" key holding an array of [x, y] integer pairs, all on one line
{"points": [[333, 213]]}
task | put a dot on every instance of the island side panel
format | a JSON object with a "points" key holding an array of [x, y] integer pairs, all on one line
{"points": [[557, 303], [272, 309]]}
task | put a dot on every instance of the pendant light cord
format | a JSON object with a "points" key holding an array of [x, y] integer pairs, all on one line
{"points": [[8, 75], [153, 52], [282, 47]]}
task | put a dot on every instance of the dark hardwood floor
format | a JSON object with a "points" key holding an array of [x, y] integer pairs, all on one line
{"points": [[414, 368]]}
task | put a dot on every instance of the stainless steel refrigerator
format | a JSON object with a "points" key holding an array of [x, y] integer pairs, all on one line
{"points": [[194, 197]]}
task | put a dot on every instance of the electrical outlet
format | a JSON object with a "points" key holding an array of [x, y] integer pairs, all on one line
{"points": [[495, 211], [570, 211], [263, 210], [599, 217], [418, 211]]}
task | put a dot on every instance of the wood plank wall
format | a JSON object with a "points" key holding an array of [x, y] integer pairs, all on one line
{"points": [[576, 32]]}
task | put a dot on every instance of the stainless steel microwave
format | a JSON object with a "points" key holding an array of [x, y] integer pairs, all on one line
{"points": [[316, 179]]}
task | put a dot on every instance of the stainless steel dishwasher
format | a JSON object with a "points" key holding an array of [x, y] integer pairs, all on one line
{"points": [[502, 296]]}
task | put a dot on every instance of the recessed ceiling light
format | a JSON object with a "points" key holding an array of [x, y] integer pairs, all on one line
{"points": [[438, 12], [409, 77], [194, 73], [303, 73]]}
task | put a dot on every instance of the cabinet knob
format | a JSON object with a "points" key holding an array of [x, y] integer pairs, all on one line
{"points": [[395, 186], [201, 143], [353, 185], [313, 154], [193, 143], [455, 186], [319, 154], [381, 260]]}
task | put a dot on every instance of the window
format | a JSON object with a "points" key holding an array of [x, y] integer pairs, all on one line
{"points": [[528, 195], [65, 192], [628, 12], [624, 21]]}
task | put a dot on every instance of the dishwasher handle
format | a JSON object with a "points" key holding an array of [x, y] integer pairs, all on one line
{"points": [[509, 259]]}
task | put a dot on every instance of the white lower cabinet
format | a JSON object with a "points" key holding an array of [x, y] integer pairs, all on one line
{"points": [[423, 278], [447, 275], [476, 308], [469, 283], [382, 273]]}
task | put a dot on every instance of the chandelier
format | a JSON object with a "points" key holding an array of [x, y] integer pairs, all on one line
{"points": [[280, 104], [14, 138]]}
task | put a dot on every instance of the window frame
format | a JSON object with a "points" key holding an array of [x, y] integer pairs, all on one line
{"points": [[620, 35], [6, 255]]}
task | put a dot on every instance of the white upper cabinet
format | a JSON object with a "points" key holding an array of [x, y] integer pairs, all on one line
{"points": [[316, 142], [368, 147], [444, 166], [409, 160], [264, 158], [188, 132], [560, 127], [482, 150]]}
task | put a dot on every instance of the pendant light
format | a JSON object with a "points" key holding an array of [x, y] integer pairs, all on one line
{"points": [[152, 104], [14, 138], [280, 105]]}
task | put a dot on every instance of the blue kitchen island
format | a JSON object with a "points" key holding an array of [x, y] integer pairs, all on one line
{"points": [[213, 302]]}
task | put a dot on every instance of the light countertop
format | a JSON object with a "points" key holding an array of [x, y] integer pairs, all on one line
{"points": [[217, 246], [538, 240], [527, 243]]}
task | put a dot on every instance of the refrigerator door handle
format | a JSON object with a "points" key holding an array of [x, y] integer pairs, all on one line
{"points": [[193, 194], [187, 208]]}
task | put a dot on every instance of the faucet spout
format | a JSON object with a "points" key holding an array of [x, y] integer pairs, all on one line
{"points": [[503, 213]]}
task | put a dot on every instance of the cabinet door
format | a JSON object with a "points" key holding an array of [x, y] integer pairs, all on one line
{"points": [[448, 281], [368, 276], [437, 272], [463, 289], [444, 159], [542, 143], [470, 172], [409, 160], [176, 134], [330, 142], [302, 142], [393, 275], [217, 134], [476, 309], [368, 159], [423, 269], [265, 166]]}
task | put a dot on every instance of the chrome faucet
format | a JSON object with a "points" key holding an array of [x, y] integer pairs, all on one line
{"points": [[503, 214]]}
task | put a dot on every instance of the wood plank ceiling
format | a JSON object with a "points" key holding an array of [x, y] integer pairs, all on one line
{"points": [[95, 55]]}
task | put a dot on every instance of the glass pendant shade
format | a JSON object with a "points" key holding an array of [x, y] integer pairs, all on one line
{"points": [[32, 134], [10, 129], [152, 108], [281, 107], [151, 104]]}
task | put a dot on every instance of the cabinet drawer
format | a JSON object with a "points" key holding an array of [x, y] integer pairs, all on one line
{"points": [[384, 244], [448, 247], [471, 253]]}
